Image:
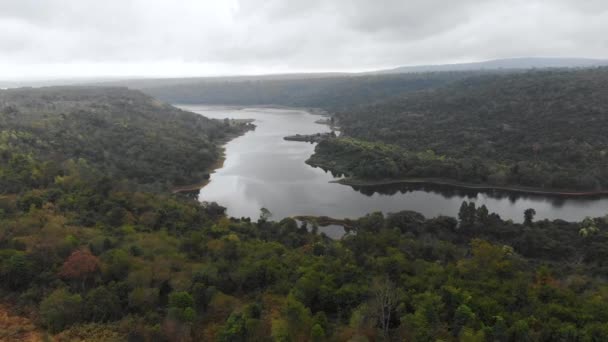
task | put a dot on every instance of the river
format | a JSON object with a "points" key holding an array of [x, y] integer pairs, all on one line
{"points": [[263, 170]]}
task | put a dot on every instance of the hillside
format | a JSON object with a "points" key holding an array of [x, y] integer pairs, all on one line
{"points": [[505, 63], [122, 133], [543, 129], [329, 92]]}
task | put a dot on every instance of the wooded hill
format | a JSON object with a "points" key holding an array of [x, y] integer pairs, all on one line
{"points": [[330, 92], [543, 129], [122, 133]]}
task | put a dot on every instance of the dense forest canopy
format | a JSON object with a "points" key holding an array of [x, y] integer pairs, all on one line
{"points": [[542, 129], [82, 257], [122, 132], [329, 93]]}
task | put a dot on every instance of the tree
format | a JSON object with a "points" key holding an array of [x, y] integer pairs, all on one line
{"points": [[279, 330], [102, 305], [265, 214], [373, 222], [181, 306], [520, 331], [235, 329], [298, 318], [425, 322], [181, 314], [529, 216], [588, 227], [467, 213], [16, 271], [463, 317], [143, 299], [482, 214], [202, 296], [80, 266], [317, 334], [500, 331], [383, 302], [117, 263], [60, 310]]}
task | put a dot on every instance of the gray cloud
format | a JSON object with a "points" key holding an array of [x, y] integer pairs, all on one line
{"points": [[56, 38]]}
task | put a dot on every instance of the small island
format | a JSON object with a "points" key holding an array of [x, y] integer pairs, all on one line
{"points": [[312, 138]]}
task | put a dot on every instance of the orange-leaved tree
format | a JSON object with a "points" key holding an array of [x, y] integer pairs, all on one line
{"points": [[81, 266]]}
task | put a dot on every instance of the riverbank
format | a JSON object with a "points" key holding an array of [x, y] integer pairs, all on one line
{"points": [[311, 110], [218, 164], [352, 181], [324, 220]]}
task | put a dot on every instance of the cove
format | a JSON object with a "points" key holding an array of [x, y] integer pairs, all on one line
{"points": [[262, 169]]}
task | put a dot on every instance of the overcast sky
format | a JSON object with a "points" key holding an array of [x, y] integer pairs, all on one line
{"points": [[84, 38]]}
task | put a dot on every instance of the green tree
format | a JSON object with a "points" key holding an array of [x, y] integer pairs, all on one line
{"points": [[317, 334], [117, 263], [280, 330], [101, 305], [529, 216], [482, 214], [463, 317], [298, 318], [60, 310], [16, 271], [467, 213], [520, 331], [500, 331], [235, 329], [181, 306]]}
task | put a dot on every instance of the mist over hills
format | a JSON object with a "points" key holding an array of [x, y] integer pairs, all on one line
{"points": [[143, 82], [504, 63]]}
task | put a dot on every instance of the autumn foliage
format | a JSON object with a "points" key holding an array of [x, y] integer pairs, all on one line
{"points": [[80, 265]]}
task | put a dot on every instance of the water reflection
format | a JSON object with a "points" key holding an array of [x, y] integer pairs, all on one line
{"points": [[263, 170], [447, 191]]}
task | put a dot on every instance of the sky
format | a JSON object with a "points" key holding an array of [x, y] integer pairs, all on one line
{"points": [[45, 39]]}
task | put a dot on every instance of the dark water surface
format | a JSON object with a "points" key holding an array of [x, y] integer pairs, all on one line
{"points": [[263, 170]]}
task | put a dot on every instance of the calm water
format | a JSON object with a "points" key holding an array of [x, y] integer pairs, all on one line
{"points": [[263, 170]]}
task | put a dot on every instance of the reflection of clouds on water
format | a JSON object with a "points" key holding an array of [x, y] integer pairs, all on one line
{"points": [[507, 204], [263, 170]]}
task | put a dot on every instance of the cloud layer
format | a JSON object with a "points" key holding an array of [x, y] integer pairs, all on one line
{"points": [[66, 38]]}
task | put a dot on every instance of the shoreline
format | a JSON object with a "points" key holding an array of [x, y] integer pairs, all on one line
{"points": [[351, 181], [218, 164], [324, 221], [311, 110]]}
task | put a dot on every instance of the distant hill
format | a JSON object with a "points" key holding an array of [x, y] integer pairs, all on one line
{"points": [[142, 83], [328, 92], [39, 83], [506, 63]]}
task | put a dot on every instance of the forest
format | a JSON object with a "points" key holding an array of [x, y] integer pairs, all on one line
{"points": [[331, 93], [122, 133], [538, 129], [88, 256]]}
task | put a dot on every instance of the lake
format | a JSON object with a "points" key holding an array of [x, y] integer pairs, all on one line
{"points": [[263, 170]]}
